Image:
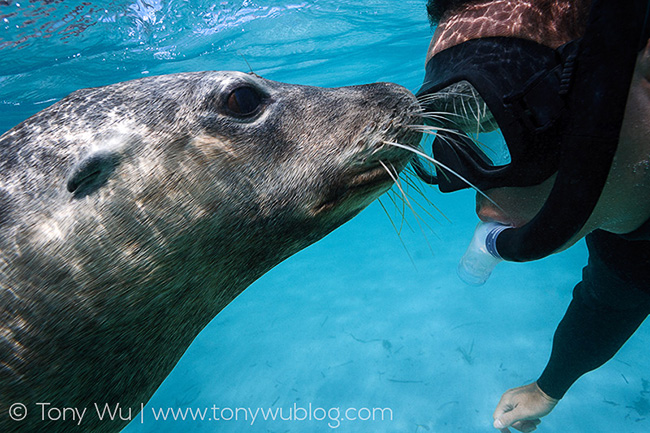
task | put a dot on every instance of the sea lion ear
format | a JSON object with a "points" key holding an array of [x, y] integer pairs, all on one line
{"points": [[92, 172]]}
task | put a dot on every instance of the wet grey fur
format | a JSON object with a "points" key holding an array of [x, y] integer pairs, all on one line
{"points": [[131, 214]]}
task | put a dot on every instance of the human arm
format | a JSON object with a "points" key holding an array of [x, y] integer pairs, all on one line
{"points": [[607, 308]]}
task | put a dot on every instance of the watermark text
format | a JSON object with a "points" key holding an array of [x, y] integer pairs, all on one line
{"points": [[105, 412]]}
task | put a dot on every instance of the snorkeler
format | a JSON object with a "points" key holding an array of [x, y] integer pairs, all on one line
{"points": [[544, 107]]}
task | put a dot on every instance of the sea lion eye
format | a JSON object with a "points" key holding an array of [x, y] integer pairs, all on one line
{"points": [[243, 101]]}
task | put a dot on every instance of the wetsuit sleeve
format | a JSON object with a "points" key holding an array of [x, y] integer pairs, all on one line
{"points": [[608, 306]]}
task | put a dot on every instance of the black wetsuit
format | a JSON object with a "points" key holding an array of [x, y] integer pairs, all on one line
{"points": [[608, 306]]}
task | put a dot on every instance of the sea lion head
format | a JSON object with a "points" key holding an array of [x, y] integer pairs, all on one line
{"points": [[218, 162], [133, 213]]}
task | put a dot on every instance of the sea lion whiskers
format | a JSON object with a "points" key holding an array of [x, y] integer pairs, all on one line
{"points": [[408, 174], [441, 165], [398, 232], [420, 194], [433, 130], [463, 106], [408, 182], [442, 95], [400, 206], [401, 210], [405, 196], [440, 117]]}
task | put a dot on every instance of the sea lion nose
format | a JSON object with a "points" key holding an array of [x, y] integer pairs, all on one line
{"points": [[391, 97]]}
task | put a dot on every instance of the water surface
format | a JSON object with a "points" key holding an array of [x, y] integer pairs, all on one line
{"points": [[366, 318]]}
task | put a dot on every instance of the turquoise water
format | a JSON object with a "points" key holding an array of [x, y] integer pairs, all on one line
{"points": [[365, 318]]}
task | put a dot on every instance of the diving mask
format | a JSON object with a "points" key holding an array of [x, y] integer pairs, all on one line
{"points": [[557, 110], [495, 104]]}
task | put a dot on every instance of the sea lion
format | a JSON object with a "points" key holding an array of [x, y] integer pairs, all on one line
{"points": [[131, 214]]}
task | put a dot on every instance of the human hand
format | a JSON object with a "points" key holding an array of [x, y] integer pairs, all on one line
{"points": [[521, 408]]}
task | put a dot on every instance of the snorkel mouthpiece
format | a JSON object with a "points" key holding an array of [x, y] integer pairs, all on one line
{"points": [[481, 257]]}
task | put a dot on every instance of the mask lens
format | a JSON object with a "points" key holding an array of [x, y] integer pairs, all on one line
{"points": [[459, 109], [492, 146]]}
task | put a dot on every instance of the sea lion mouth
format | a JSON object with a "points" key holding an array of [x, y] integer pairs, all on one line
{"points": [[371, 181]]}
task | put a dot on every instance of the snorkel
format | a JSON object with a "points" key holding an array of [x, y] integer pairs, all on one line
{"points": [[593, 86], [601, 82]]}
